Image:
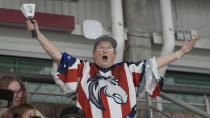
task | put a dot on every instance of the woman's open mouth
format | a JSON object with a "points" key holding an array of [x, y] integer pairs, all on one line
{"points": [[105, 58]]}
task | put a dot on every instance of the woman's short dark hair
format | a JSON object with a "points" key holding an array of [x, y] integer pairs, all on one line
{"points": [[105, 38]]}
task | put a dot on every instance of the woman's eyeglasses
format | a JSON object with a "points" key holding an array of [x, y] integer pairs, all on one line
{"points": [[16, 93], [100, 48]]}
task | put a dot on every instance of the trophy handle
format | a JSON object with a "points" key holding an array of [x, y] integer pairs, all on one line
{"points": [[34, 34]]}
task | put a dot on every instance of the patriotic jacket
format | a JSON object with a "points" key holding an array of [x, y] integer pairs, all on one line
{"points": [[107, 92]]}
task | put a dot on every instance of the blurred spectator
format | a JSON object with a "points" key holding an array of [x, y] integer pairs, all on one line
{"points": [[23, 111], [72, 112], [14, 84]]}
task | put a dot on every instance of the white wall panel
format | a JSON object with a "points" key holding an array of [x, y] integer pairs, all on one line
{"points": [[24, 1], [18, 42], [156, 26], [40, 5], [58, 6], [65, 8], [49, 6], [9, 4], [104, 13], [73, 10], [1, 3], [187, 14], [96, 4], [88, 13], [80, 9], [16, 4]]}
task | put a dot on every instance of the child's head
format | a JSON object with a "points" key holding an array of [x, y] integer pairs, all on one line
{"points": [[72, 112], [23, 111]]}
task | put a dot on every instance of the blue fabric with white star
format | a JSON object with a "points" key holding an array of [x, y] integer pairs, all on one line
{"points": [[65, 62]]}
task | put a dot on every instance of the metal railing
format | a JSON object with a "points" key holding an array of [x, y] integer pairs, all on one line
{"points": [[188, 106], [185, 105], [169, 100]]}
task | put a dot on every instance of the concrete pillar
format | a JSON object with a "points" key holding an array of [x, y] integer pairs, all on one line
{"points": [[138, 45], [167, 30], [117, 27]]}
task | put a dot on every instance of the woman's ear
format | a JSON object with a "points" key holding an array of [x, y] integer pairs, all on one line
{"points": [[93, 53]]}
